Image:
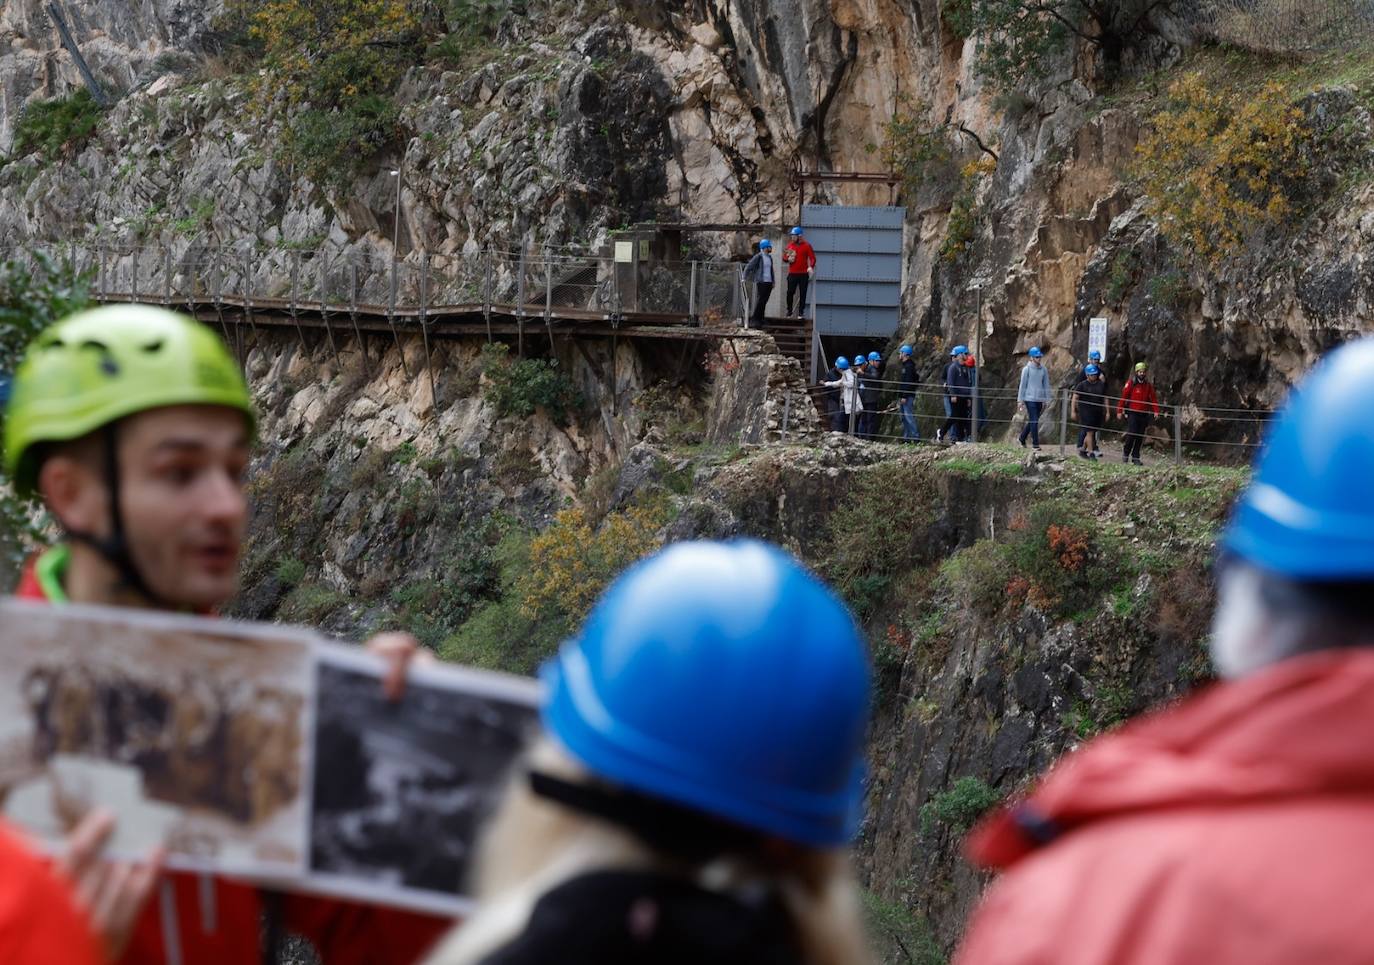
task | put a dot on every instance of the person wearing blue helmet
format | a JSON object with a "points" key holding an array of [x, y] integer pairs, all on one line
{"points": [[759, 270], [698, 780], [846, 380], [958, 391], [1034, 394], [801, 265], [906, 398], [830, 394], [871, 393], [1094, 361], [1237, 825], [1089, 410]]}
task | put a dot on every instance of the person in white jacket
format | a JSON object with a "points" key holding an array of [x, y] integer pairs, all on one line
{"points": [[1033, 394], [848, 384]]}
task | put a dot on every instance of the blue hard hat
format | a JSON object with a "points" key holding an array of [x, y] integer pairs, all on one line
{"points": [[905, 350], [842, 363], [796, 231], [1307, 514], [765, 243], [1035, 352], [1091, 370], [726, 678], [874, 357], [1095, 355], [959, 350]]}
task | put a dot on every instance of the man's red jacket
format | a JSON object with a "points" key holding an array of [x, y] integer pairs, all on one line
{"points": [[1138, 397], [803, 257], [216, 921], [1235, 827]]}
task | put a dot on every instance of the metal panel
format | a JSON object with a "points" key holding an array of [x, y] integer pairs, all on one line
{"points": [[859, 268]]}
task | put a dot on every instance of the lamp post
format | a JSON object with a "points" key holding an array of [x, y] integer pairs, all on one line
{"points": [[397, 173]]}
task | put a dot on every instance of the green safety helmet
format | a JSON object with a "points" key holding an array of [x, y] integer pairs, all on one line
{"points": [[102, 365]]}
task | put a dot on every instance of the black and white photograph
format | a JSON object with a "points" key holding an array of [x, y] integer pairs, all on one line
{"points": [[401, 788], [195, 732]]}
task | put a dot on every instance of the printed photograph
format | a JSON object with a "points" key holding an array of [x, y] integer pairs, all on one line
{"points": [[195, 732], [402, 788]]}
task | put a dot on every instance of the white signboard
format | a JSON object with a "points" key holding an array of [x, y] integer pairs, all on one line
{"points": [[624, 252], [1097, 337]]}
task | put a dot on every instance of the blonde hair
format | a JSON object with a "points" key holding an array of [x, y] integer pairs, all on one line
{"points": [[533, 845]]}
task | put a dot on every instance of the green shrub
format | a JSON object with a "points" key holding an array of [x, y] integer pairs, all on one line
{"points": [[434, 608], [978, 576], [959, 808], [898, 934], [405, 454], [518, 388], [878, 532], [500, 634], [54, 126], [290, 571], [957, 16], [1121, 276], [333, 146], [310, 603]]}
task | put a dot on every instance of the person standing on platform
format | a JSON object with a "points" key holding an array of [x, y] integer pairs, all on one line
{"points": [[871, 393], [971, 364], [1090, 410], [1094, 362], [958, 389], [801, 265], [759, 270]]}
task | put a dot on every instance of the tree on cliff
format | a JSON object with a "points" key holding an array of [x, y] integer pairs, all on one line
{"points": [[1020, 39], [32, 296], [327, 68]]}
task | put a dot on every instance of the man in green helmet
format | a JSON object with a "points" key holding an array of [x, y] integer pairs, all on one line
{"points": [[135, 427]]}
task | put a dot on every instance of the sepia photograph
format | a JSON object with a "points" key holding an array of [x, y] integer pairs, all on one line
{"points": [[196, 733], [401, 788]]}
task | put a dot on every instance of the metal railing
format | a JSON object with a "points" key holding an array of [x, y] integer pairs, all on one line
{"points": [[546, 283]]}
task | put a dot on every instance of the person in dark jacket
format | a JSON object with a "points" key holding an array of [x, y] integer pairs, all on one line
{"points": [[1094, 361], [1089, 410], [759, 270], [1139, 403], [720, 656], [871, 393], [830, 396], [958, 389], [906, 399]]}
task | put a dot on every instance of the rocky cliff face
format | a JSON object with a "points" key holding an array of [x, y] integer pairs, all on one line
{"points": [[573, 124]]}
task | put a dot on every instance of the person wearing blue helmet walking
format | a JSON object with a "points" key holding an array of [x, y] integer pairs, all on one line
{"points": [[906, 399], [1034, 394], [1094, 362], [1089, 405], [699, 777], [1235, 826], [958, 390], [759, 270], [847, 381]]}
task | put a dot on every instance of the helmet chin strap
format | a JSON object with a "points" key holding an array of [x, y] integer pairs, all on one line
{"points": [[114, 549]]}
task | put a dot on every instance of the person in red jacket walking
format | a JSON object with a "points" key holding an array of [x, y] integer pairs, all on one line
{"points": [[1139, 402], [135, 426], [801, 265], [1236, 826]]}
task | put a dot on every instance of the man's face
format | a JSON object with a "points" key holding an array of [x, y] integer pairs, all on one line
{"points": [[182, 496]]}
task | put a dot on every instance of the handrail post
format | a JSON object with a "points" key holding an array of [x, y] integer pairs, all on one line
{"points": [[1063, 422], [548, 286], [133, 295], [692, 295], [167, 274], [424, 328], [486, 289], [1178, 435]]}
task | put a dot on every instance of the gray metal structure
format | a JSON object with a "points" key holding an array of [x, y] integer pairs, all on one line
{"points": [[859, 268]]}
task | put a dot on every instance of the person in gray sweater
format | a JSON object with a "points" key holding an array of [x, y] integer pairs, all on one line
{"points": [[1033, 394]]}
